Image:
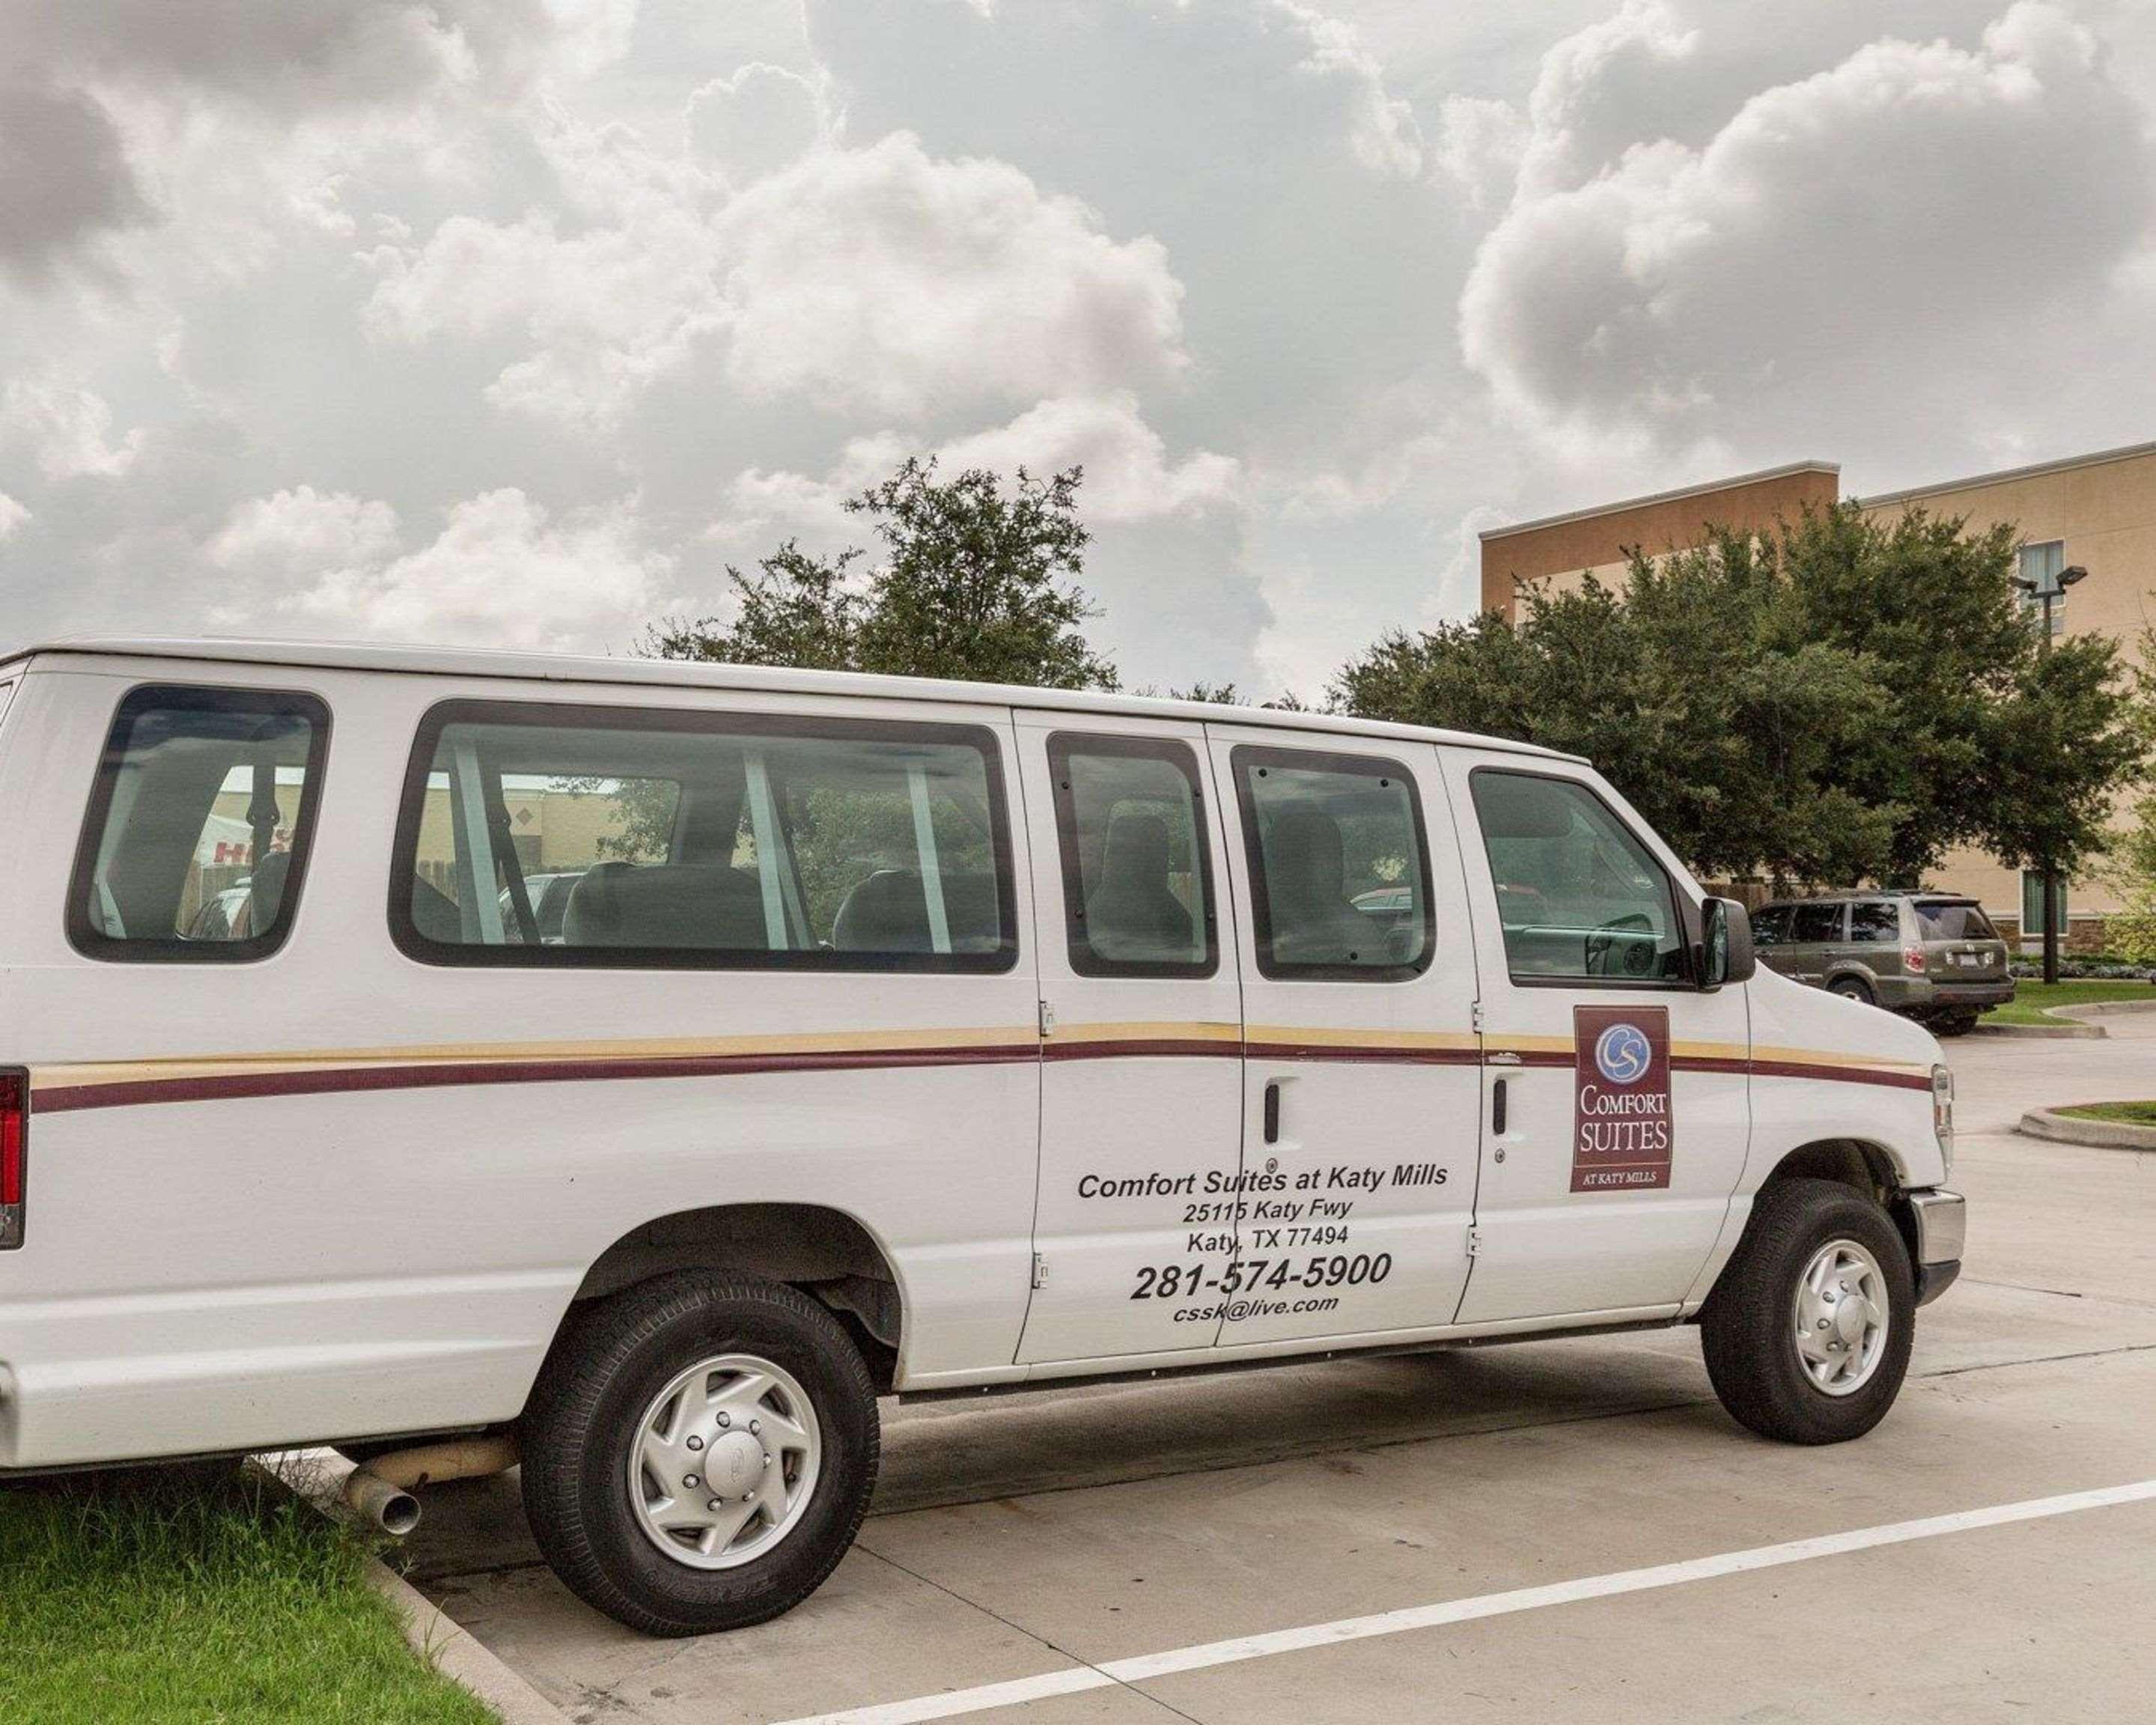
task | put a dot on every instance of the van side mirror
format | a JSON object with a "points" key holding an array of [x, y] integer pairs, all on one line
{"points": [[1725, 950]]}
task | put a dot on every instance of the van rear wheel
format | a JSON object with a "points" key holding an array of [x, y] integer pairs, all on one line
{"points": [[1807, 1334], [699, 1452]]}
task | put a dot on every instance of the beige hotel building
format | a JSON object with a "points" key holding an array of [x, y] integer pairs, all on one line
{"points": [[2097, 511]]}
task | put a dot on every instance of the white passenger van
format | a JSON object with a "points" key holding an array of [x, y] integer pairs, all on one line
{"points": [[652, 1064]]}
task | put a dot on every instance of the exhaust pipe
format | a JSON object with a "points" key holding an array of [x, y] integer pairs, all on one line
{"points": [[381, 1490], [373, 1499]]}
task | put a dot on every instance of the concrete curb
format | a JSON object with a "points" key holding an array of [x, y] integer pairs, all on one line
{"points": [[317, 1476], [2077, 1017], [451, 1651], [2097, 1008], [2075, 1129]]}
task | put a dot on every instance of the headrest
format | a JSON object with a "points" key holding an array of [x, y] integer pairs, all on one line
{"points": [[703, 904], [266, 885], [1307, 854], [1136, 848]]}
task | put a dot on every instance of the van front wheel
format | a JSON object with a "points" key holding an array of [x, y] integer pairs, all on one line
{"points": [[699, 1452], [1807, 1334]]}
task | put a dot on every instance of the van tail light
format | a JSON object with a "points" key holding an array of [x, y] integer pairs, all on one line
{"points": [[1912, 960], [14, 1111]]}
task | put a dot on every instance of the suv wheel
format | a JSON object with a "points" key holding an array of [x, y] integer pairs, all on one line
{"points": [[1807, 1334], [1850, 988], [699, 1452]]}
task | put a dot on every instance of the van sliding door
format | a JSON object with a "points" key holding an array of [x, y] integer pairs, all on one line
{"points": [[1361, 1084], [1142, 1062]]}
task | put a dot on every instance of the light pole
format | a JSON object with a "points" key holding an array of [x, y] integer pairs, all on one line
{"points": [[2049, 592]]}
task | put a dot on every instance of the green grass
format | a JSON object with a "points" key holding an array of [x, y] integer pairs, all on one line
{"points": [[202, 1593], [2125, 1113], [2031, 1000]]}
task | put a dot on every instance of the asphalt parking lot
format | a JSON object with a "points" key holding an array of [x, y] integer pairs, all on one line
{"points": [[1358, 1534]]}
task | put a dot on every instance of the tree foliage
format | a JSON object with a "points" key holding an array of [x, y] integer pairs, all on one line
{"points": [[976, 580], [1842, 700]]}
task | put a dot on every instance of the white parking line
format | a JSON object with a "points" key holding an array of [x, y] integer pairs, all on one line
{"points": [[1080, 1678]]}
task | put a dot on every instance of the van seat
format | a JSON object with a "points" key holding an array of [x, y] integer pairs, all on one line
{"points": [[888, 912], [672, 904]]}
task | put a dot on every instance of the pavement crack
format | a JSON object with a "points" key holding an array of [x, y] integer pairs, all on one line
{"points": [[2041, 1359], [1018, 1629]]}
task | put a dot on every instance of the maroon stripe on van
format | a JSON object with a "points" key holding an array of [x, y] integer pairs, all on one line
{"points": [[1709, 1063], [338, 1080], [1128, 1048], [1841, 1075], [1374, 1055]]}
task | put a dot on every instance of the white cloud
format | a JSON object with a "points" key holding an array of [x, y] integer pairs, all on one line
{"points": [[1128, 474], [12, 515], [68, 428], [302, 532], [884, 279], [503, 572], [1897, 215], [756, 121], [1381, 126], [878, 280], [1482, 143]]}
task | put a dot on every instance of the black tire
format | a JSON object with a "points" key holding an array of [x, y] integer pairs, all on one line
{"points": [[1852, 988], [1747, 1331], [610, 1361]]}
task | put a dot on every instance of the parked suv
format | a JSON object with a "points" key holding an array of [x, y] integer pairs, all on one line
{"points": [[1928, 956]]}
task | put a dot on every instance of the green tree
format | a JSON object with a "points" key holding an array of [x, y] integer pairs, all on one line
{"points": [[1840, 700], [976, 580], [2130, 869]]}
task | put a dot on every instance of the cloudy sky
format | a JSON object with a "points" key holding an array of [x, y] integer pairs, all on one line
{"points": [[513, 322]]}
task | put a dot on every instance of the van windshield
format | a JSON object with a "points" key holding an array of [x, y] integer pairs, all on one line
{"points": [[1954, 922]]}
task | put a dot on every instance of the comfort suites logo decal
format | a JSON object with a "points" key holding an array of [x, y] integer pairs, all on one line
{"points": [[1621, 1136]]}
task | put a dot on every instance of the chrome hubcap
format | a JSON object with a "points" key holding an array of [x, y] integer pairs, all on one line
{"points": [[1841, 1317], [724, 1462]]}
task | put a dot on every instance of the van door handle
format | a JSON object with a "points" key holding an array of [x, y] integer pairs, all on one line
{"points": [[1497, 1109], [1272, 1112]]}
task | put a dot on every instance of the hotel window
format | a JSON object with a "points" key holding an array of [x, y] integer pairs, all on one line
{"points": [[2040, 565], [2032, 909]]}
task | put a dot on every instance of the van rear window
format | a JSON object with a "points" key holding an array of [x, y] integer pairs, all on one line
{"points": [[1954, 922], [534, 835], [199, 825]]}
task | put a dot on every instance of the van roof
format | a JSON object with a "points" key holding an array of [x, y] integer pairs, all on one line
{"points": [[665, 673]]}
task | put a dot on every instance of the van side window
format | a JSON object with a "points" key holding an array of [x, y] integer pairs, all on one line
{"points": [[1578, 894], [1138, 877], [1339, 869], [199, 825], [538, 836]]}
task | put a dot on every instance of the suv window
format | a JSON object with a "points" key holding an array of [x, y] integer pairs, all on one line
{"points": [[1339, 871], [1816, 926], [1875, 924], [1138, 879], [199, 825], [1771, 926], [1954, 922], [699, 839], [1578, 895]]}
